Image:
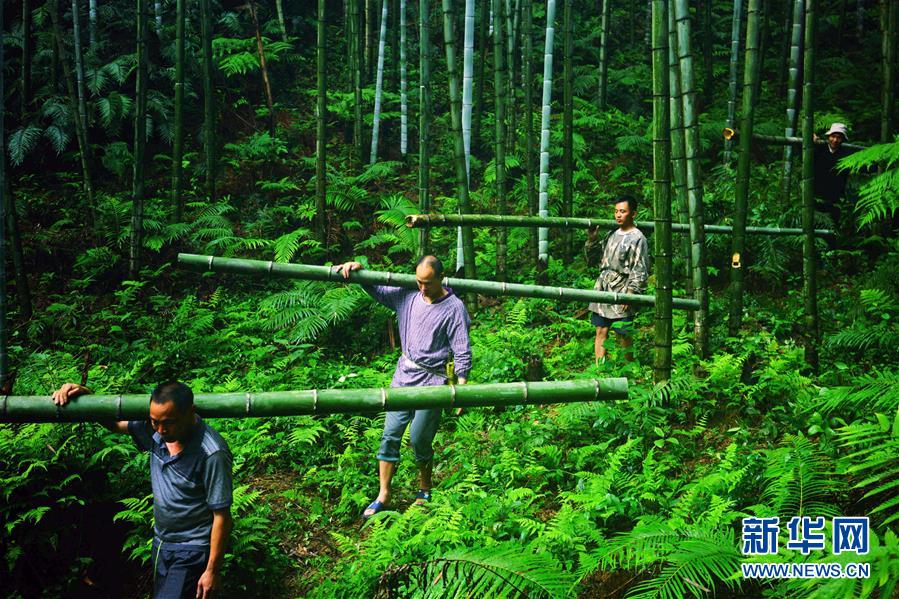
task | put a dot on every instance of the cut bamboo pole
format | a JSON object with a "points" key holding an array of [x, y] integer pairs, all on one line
{"points": [[93, 408], [809, 255], [281, 270], [678, 152], [778, 140], [425, 221], [543, 198], [734, 61]]}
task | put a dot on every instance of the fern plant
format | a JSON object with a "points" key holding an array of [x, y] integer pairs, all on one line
{"points": [[878, 196]]}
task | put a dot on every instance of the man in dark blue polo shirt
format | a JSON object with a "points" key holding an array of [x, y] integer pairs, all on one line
{"points": [[190, 470]]}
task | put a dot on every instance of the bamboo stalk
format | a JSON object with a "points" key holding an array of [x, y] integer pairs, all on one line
{"points": [[373, 277], [889, 17], [404, 108], [140, 144], [4, 358], [567, 124], [792, 99], [92, 408], [734, 61], [321, 132], [263, 68], [208, 97], [778, 140], [661, 173], [467, 83], [500, 91], [809, 257], [694, 177], [744, 164], [424, 117], [529, 120], [603, 54], [543, 198], [678, 153], [178, 142], [379, 84], [425, 221]]}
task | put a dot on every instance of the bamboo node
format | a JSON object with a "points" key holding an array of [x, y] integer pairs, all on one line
{"points": [[315, 400], [271, 265], [118, 407], [596, 389], [209, 265], [452, 394], [5, 402], [525, 390], [383, 398], [249, 399]]}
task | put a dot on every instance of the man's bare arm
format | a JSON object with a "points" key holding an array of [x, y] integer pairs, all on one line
{"points": [[210, 582], [70, 391]]}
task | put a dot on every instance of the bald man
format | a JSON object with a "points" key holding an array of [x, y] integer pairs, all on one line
{"points": [[433, 325]]}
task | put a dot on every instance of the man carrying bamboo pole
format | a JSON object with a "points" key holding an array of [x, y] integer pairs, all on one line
{"points": [[190, 470], [433, 326], [622, 256]]}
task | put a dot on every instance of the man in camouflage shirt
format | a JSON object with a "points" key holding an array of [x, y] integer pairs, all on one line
{"points": [[622, 256]]}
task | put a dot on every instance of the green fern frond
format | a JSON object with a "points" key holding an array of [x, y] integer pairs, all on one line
{"points": [[21, 142]]}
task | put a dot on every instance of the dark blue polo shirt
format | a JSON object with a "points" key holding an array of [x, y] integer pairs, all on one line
{"points": [[188, 486]]}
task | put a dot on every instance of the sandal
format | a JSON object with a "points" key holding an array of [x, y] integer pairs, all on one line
{"points": [[376, 507], [422, 497]]}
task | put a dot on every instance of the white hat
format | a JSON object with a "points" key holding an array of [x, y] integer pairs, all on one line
{"points": [[838, 128]]}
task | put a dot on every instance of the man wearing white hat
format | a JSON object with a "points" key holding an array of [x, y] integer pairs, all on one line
{"points": [[830, 180]]}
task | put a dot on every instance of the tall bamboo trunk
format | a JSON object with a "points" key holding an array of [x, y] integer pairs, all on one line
{"points": [[80, 124], [424, 117], [567, 126], [208, 98], [404, 108], [379, 84], [263, 67], [140, 143], [357, 62], [694, 177], [678, 152], [744, 165], [105, 408], [500, 89], [467, 82], [157, 10], [792, 99], [281, 24], [394, 33], [321, 115], [465, 237], [734, 61], [661, 174], [784, 62], [529, 121], [23, 289], [543, 233], [479, 107], [708, 42], [509, 48], [4, 359], [92, 25], [282, 270], [809, 257], [604, 55], [79, 66], [25, 105], [178, 142], [890, 14]]}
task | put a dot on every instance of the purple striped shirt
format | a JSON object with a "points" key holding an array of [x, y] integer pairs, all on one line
{"points": [[429, 334]]}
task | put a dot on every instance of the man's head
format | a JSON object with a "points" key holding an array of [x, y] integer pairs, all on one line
{"points": [[429, 273], [836, 135], [172, 411], [625, 210]]}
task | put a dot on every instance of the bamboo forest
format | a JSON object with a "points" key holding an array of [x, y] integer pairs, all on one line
{"points": [[449, 298]]}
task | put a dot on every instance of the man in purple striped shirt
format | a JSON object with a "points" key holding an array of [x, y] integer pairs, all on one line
{"points": [[433, 325]]}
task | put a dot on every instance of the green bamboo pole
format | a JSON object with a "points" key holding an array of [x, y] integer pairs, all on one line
{"points": [[79, 64], [358, 60], [744, 164], [661, 174], [261, 268], [792, 99], [99, 408], [92, 25], [678, 153], [178, 141], [734, 61], [379, 85], [567, 124], [404, 107], [424, 221], [140, 144], [467, 82], [809, 258], [604, 54], [479, 69], [889, 16], [279, 8], [321, 132], [512, 12], [778, 140], [529, 121], [208, 97], [4, 359], [424, 118], [500, 91], [465, 238], [543, 198], [694, 178]]}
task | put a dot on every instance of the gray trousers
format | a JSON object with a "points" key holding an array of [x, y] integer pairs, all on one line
{"points": [[421, 434]]}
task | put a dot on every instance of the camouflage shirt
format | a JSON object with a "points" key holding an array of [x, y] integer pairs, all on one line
{"points": [[623, 267]]}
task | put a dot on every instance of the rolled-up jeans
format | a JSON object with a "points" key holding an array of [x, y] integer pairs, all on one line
{"points": [[421, 434]]}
